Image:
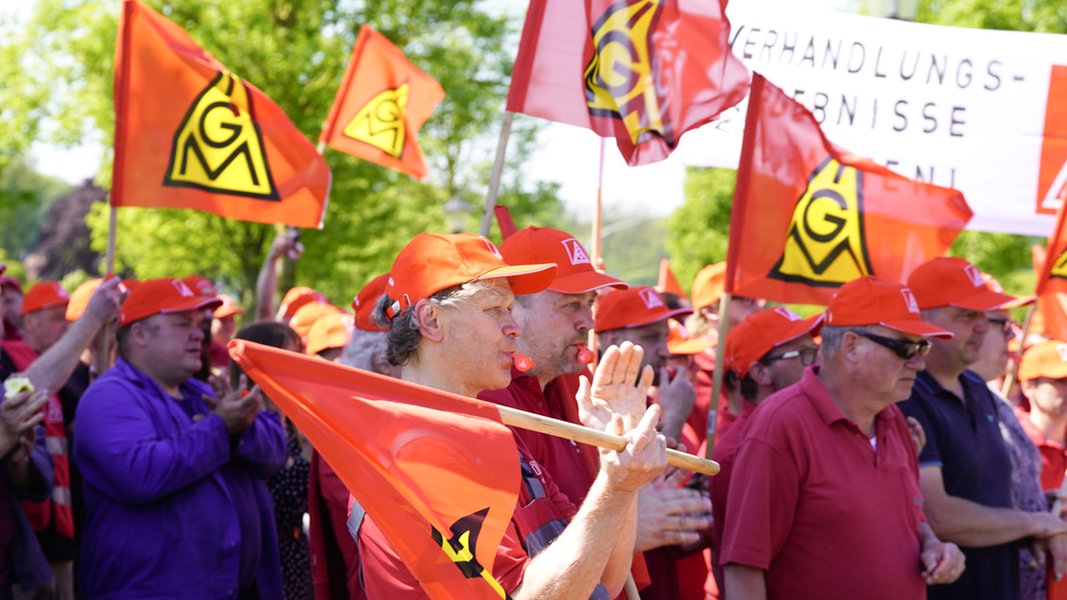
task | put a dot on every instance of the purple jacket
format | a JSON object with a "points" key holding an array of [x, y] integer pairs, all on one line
{"points": [[162, 492]]}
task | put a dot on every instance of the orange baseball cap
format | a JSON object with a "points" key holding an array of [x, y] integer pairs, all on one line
{"points": [[680, 342], [333, 330], [708, 285], [633, 307], [44, 294], [952, 281], [307, 314], [873, 301], [297, 297], [201, 285], [432, 262], [762, 332], [79, 300], [574, 271], [228, 308], [162, 296], [1045, 359], [363, 303]]}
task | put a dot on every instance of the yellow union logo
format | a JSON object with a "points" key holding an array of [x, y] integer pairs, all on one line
{"points": [[619, 81], [380, 122], [459, 548], [1059, 268], [826, 245], [218, 147]]}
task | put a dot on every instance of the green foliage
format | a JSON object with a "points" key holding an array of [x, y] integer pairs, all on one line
{"points": [[25, 198], [699, 229], [296, 52]]}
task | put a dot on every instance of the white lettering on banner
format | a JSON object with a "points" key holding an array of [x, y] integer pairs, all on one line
{"points": [[971, 109]]}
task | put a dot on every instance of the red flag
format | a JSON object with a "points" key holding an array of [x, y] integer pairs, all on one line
{"points": [[504, 221], [1050, 315], [809, 216], [641, 71], [191, 134], [437, 472], [382, 103], [667, 281]]}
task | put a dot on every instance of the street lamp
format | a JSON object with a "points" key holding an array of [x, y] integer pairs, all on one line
{"points": [[457, 214]]}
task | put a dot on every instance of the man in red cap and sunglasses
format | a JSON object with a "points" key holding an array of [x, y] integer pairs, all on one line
{"points": [[965, 469], [449, 303], [176, 504], [824, 499]]}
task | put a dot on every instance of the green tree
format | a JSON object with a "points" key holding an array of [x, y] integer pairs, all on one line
{"points": [[699, 229], [25, 197], [296, 52]]}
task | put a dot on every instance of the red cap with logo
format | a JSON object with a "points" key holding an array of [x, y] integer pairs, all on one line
{"points": [[162, 296], [44, 294], [574, 271], [762, 332], [873, 301], [432, 262], [365, 301], [634, 307], [952, 281], [200, 285]]}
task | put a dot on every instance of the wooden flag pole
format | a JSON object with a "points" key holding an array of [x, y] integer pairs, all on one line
{"points": [[595, 242], [1013, 367], [494, 176], [101, 357], [594, 437], [716, 378]]}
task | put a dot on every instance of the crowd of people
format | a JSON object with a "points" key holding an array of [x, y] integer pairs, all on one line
{"points": [[866, 451]]}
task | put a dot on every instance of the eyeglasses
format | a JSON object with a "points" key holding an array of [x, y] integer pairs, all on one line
{"points": [[806, 356], [903, 348], [1008, 327]]}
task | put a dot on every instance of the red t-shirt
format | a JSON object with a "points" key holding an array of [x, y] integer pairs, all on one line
{"points": [[1053, 455], [724, 453], [813, 504]]}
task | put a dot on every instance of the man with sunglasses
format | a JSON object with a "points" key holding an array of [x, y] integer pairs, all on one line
{"points": [[965, 470], [824, 500], [766, 352]]}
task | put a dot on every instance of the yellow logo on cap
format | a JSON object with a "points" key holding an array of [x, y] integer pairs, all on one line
{"points": [[825, 245], [1059, 268], [619, 81], [218, 147], [380, 122]]}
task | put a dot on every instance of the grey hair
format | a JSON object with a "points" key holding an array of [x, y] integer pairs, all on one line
{"points": [[404, 335], [364, 350], [832, 336]]}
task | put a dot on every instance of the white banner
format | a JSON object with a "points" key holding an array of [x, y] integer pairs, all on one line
{"points": [[982, 111]]}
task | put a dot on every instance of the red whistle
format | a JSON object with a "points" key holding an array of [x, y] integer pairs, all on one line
{"points": [[585, 355], [522, 362]]}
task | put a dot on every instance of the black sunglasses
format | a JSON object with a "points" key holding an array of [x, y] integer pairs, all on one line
{"points": [[806, 355], [903, 348]]}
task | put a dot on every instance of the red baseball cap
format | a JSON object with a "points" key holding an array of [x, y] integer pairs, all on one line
{"points": [[708, 285], [873, 301], [44, 294], [633, 307], [228, 308], [574, 271], [680, 342], [364, 303], [432, 262], [762, 332], [1045, 359], [79, 300], [1018, 301], [332, 330], [200, 285], [952, 281], [162, 296]]}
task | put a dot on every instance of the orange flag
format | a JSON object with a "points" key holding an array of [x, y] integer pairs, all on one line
{"points": [[191, 134], [382, 103], [1050, 315], [667, 281], [809, 216], [641, 71], [438, 473]]}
